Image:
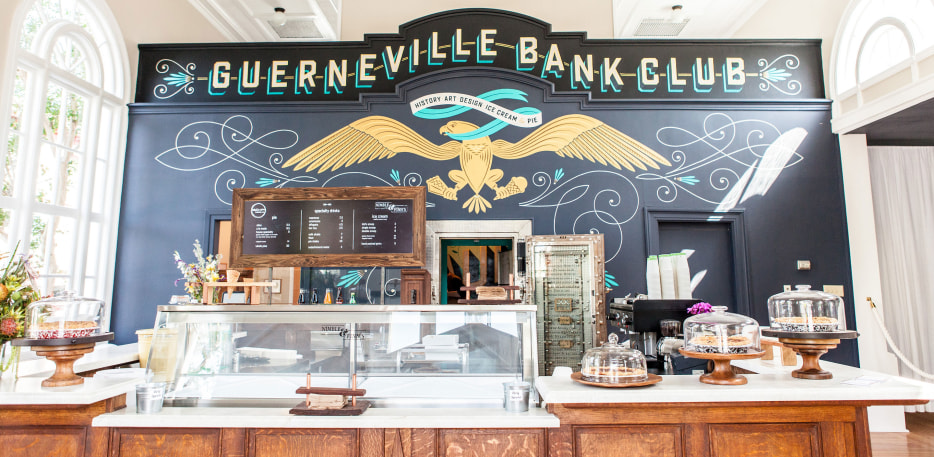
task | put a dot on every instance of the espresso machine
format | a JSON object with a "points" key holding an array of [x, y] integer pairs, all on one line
{"points": [[641, 320]]}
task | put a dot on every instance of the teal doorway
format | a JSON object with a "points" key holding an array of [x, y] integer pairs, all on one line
{"points": [[487, 262]]}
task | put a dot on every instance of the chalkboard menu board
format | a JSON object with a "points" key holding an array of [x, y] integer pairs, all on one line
{"points": [[336, 226]]}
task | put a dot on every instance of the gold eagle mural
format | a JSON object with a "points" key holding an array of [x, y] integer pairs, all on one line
{"points": [[378, 137]]}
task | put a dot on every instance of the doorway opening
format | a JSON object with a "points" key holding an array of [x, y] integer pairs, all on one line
{"points": [[487, 262]]}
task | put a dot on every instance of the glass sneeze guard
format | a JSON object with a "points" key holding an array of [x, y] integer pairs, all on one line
{"points": [[403, 355]]}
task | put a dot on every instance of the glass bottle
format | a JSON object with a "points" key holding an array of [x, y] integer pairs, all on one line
{"points": [[328, 298], [314, 296], [353, 298], [340, 296]]}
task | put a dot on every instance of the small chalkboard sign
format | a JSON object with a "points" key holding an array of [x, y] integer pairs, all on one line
{"points": [[328, 226]]}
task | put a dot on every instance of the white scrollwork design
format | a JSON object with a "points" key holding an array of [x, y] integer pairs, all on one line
{"points": [[725, 149], [205, 144], [181, 80], [771, 75], [614, 201]]}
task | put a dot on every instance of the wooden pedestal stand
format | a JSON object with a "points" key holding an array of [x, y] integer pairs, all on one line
{"points": [[722, 370], [811, 346], [64, 352]]}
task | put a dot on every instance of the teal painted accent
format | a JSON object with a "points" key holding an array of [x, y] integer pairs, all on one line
{"points": [[556, 73], [670, 77], [239, 85], [264, 182], [603, 85], [389, 73], [454, 50], [519, 67], [411, 50], [559, 173], [639, 81], [351, 279], [269, 83], [583, 83], [707, 75], [304, 87], [609, 280], [357, 77], [327, 83], [490, 127], [493, 95], [775, 74], [689, 180], [211, 86], [726, 85], [394, 174], [430, 61], [479, 60], [177, 79]]}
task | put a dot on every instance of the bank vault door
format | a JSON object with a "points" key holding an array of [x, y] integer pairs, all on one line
{"points": [[565, 277]]}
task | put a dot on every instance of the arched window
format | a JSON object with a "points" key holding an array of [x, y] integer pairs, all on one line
{"points": [[883, 51], [65, 134]]}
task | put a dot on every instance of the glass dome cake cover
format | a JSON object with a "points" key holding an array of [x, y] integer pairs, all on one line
{"points": [[721, 332], [806, 310], [64, 316], [612, 363]]}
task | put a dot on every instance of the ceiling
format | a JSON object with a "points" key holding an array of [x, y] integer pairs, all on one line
{"points": [[319, 20], [908, 127]]}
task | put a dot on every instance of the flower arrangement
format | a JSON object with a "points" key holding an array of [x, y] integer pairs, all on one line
{"points": [[17, 291], [204, 269], [700, 308]]}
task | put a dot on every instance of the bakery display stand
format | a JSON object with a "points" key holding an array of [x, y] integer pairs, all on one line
{"points": [[64, 352], [811, 346], [320, 406], [722, 373]]}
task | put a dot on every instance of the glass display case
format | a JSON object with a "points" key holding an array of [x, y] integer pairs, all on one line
{"points": [[566, 284], [64, 316], [806, 310], [403, 355], [720, 332]]}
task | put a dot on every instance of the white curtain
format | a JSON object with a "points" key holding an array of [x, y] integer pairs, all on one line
{"points": [[902, 181]]}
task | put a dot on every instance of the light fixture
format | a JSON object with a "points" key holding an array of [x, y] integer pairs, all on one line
{"points": [[677, 13], [278, 18]]}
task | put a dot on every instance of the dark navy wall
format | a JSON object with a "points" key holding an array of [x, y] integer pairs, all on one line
{"points": [[183, 161]]}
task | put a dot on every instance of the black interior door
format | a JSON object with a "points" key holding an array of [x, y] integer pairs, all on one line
{"points": [[711, 261]]}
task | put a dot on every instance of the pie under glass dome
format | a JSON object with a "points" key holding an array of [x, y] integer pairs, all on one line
{"points": [[612, 363]]}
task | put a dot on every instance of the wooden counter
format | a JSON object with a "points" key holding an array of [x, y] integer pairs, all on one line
{"points": [[772, 415]]}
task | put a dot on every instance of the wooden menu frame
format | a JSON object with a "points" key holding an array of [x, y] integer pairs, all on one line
{"points": [[417, 195]]}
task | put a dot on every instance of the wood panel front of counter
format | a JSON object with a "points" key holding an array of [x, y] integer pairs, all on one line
{"points": [[753, 429], [55, 430]]}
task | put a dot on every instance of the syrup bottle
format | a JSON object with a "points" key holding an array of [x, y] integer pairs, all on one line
{"points": [[314, 296], [340, 297], [328, 298]]}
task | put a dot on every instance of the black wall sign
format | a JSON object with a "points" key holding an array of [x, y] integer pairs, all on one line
{"points": [[604, 69]]}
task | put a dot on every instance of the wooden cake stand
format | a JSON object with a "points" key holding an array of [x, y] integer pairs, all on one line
{"points": [[64, 352], [722, 370], [811, 346]]}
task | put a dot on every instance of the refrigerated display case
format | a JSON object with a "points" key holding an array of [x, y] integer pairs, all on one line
{"points": [[403, 355]]}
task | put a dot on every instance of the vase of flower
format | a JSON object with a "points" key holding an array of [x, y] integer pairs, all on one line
{"points": [[17, 291], [203, 269]]}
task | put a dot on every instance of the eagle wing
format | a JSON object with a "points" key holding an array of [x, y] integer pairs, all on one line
{"points": [[582, 137], [370, 138]]}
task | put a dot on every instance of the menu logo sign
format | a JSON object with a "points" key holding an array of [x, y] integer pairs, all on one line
{"points": [[258, 210]]}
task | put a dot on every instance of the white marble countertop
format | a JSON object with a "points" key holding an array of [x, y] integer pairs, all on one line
{"points": [[773, 383], [371, 418], [104, 355], [27, 390]]}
